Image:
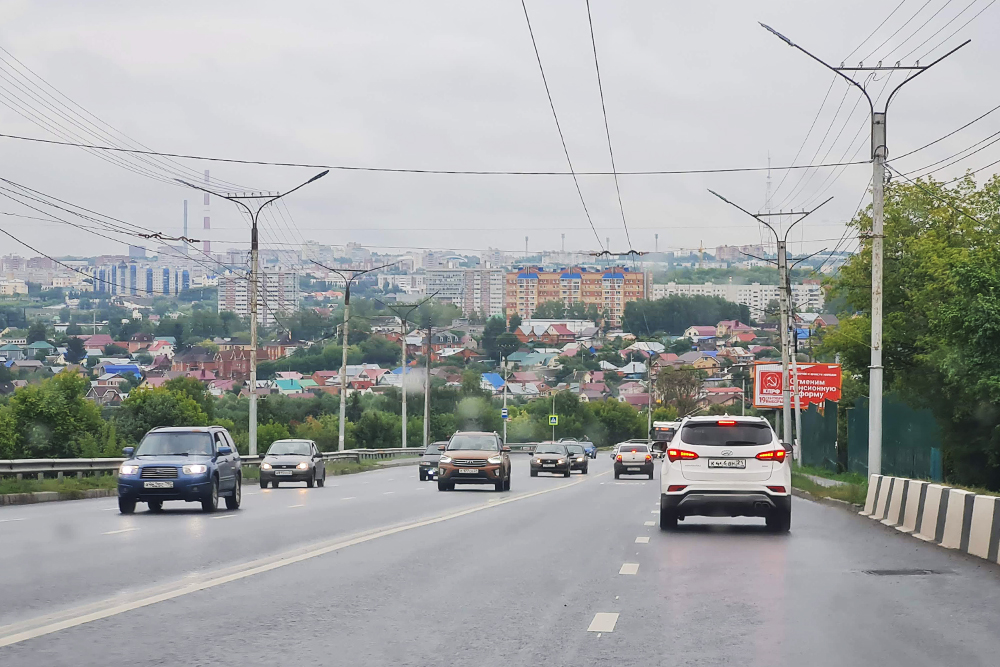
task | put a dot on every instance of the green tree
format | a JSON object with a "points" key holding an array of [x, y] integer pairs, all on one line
{"points": [[377, 430], [549, 310], [679, 387], [269, 432], [507, 344], [353, 409], [147, 408], [74, 329], [64, 314], [493, 328], [194, 390], [620, 421], [36, 332], [75, 350], [514, 323], [52, 418], [676, 313]]}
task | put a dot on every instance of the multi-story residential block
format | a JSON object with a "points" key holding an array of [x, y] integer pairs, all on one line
{"points": [[278, 294], [609, 290], [807, 296], [472, 290]]}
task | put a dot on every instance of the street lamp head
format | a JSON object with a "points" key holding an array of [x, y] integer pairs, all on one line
{"points": [[776, 34], [318, 176]]}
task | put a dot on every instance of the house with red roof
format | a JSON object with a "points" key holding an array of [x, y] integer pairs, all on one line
{"points": [[699, 332], [730, 327]]}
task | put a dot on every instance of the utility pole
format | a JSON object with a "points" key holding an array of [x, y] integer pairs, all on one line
{"points": [[427, 387], [553, 412], [649, 395], [402, 324], [253, 203], [505, 374], [348, 279], [879, 154], [783, 300]]}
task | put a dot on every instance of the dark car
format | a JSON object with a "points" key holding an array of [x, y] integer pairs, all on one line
{"points": [[578, 457], [429, 461], [474, 457], [589, 448], [551, 457], [194, 464], [292, 461]]}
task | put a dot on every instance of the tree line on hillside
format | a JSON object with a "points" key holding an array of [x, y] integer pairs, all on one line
{"points": [[941, 328], [675, 313], [53, 419]]}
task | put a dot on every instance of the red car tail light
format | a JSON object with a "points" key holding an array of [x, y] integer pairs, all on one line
{"points": [[777, 489], [773, 455], [618, 458], [676, 487], [726, 422], [649, 457], [680, 454]]}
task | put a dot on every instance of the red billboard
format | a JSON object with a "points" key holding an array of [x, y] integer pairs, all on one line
{"points": [[817, 383]]}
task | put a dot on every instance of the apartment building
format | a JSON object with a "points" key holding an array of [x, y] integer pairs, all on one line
{"points": [[609, 289], [472, 290], [278, 295], [806, 296]]}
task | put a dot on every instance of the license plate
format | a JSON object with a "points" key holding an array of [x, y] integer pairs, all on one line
{"points": [[548, 465], [468, 471], [727, 463], [633, 470], [158, 485], [282, 472]]}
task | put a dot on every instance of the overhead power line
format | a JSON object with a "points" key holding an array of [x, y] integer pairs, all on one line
{"points": [[955, 131], [607, 129], [402, 170]]}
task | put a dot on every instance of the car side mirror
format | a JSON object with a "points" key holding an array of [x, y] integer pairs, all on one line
{"points": [[128, 451], [225, 450], [505, 448], [441, 448], [787, 446]]}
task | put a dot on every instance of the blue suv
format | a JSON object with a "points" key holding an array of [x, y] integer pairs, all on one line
{"points": [[190, 463]]}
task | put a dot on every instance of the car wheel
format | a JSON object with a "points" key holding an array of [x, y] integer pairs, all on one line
{"points": [[534, 473], [506, 483], [263, 483], [155, 505], [651, 474], [233, 501], [274, 483], [498, 486], [668, 519], [444, 486], [321, 482], [126, 506], [585, 470], [780, 521], [311, 482], [423, 476], [210, 503], [567, 473]]}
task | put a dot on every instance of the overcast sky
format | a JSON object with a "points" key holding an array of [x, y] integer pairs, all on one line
{"points": [[455, 85]]}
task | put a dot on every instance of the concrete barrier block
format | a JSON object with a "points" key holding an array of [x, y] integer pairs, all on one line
{"points": [[935, 502], [882, 502], [981, 525], [914, 505], [894, 515], [873, 483], [957, 518]]}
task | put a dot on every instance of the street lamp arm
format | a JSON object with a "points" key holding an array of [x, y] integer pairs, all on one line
{"points": [[804, 216], [871, 105], [757, 218], [921, 71]]}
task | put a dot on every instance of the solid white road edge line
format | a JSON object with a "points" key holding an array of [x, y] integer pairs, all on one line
{"points": [[48, 624], [122, 530]]}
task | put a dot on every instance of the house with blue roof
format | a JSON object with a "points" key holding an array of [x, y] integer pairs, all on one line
{"points": [[492, 382], [288, 386]]}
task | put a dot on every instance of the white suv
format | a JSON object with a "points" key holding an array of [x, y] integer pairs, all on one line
{"points": [[726, 466]]}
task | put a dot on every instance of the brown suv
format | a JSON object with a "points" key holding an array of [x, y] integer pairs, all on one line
{"points": [[474, 457]]}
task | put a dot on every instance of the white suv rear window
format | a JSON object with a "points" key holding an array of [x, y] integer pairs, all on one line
{"points": [[726, 435]]}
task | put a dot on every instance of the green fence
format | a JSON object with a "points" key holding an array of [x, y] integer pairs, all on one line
{"points": [[819, 436], [911, 440]]}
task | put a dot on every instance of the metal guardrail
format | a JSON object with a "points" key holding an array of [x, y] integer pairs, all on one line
{"points": [[79, 467]]}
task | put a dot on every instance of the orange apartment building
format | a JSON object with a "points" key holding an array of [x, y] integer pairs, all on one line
{"points": [[609, 290]]}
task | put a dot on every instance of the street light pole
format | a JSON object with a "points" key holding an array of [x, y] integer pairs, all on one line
{"points": [[784, 296], [879, 152], [258, 202]]}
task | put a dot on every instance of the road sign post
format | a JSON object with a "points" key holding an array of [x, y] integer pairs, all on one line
{"points": [[553, 422], [503, 413]]}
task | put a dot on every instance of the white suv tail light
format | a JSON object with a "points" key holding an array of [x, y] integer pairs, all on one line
{"points": [[773, 455], [680, 455]]}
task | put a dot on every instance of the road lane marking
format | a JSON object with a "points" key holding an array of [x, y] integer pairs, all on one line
{"points": [[23, 518], [603, 622], [116, 532], [224, 516], [649, 523], [386, 493], [629, 568], [642, 540], [71, 618], [655, 512], [299, 505], [349, 498]]}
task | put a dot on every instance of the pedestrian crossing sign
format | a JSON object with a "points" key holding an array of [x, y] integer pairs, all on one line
{"points": [[553, 420]]}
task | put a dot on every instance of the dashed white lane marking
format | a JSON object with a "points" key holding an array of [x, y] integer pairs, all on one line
{"points": [[224, 516], [299, 505], [616, 597], [655, 512], [349, 498], [23, 518], [386, 493], [603, 622], [122, 530], [649, 523], [108, 509], [629, 568], [642, 540]]}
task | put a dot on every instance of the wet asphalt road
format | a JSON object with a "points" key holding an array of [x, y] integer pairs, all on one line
{"points": [[380, 569]]}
